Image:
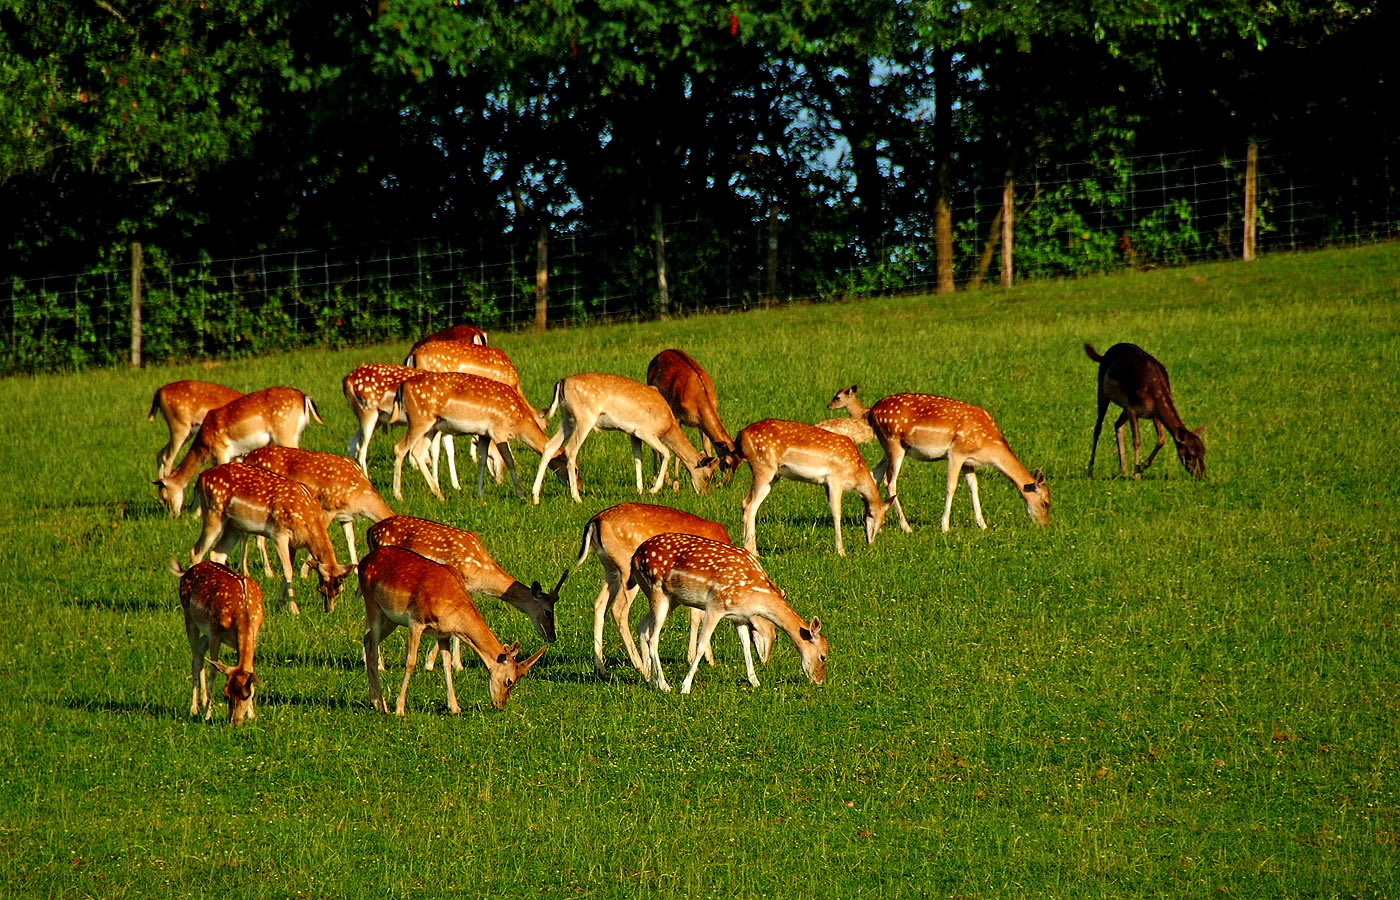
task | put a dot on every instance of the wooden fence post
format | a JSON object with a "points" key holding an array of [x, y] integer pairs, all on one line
{"points": [[542, 279], [1008, 231], [136, 304], [663, 304], [1251, 199]]}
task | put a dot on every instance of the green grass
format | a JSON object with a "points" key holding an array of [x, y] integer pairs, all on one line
{"points": [[1179, 689]]}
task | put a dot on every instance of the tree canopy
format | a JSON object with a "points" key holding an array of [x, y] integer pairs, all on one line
{"points": [[248, 126]]}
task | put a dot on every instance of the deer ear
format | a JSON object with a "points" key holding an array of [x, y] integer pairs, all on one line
{"points": [[813, 630], [530, 662], [705, 462], [221, 666], [1200, 432]]}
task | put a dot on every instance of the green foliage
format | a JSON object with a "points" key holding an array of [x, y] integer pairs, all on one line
{"points": [[1179, 689]]}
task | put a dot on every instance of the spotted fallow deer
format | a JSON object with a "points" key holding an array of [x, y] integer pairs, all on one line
{"points": [[690, 392], [336, 482], [240, 500], [778, 449], [369, 391], [464, 334], [723, 582], [856, 426], [183, 405], [927, 427], [614, 535], [1135, 380], [400, 587], [275, 415], [458, 403], [615, 403], [221, 607], [463, 552]]}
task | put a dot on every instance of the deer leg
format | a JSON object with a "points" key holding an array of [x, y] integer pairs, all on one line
{"points": [[650, 634], [833, 498], [746, 641], [1118, 427], [480, 462], [707, 629], [665, 452], [199, 645], [694, 644], [444, 648], [508, 461], [350, 542], [1098, 428], [954, 468], [890, 466], [285, 554], [415, 636], [600, 615], [971, 477], [449, 447], [545, 456], [758, 491], [1161, 441]]}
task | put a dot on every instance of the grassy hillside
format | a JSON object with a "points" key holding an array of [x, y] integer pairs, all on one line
{"points": [[1178, 689]]}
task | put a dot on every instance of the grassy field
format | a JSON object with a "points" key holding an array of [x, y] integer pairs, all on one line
{"points": [[1180, 689]]}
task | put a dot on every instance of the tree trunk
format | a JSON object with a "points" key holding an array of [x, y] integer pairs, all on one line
{"points": [[989, 249], [943, 172], [1251, 199], [1008, 229], [663, 291], [542, 279], [136, 304]]}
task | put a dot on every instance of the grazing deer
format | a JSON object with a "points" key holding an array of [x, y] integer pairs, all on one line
{"points": [[927, 427], [463, 334], [857, 426], [221, 607], [690, 392], [614, 535], [183, 405], [275, 415], [615, 403], [1133, 378], [723, 582], [776, 449], [463, 552], [402, 588], [239, 500], [369, 390], [336, 482], [458, 403]]}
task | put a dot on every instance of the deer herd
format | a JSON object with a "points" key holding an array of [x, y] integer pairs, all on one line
{"points": [[252, 480]]}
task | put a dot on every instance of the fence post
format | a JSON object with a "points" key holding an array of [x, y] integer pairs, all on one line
{"points": [[664, 298], [770, 290], [136, 304], [1008, 230], [542, 278], [1251, 198]]}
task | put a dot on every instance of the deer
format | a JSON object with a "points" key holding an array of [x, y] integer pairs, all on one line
{"points": [[856, 426], [221, 607], [183, 405], [336, 482], [614, 535], [275, 415], [369, 391], [929, 427], [616, 403], [723, 582], [400, 587], [465, 334], [1136, 381], [471, 359], [463, 552], [690, 392], [459, 403], [240, 500], [775, 448]]}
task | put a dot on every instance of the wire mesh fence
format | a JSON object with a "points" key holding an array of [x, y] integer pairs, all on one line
{"points": [[1087, 217]]}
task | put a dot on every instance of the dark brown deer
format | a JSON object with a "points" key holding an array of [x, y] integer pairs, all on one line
{"points": [[690, 392], [1133, 378]]}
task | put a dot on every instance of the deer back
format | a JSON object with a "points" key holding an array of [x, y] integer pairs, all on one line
{"points": [[189, 401], [371, 387], [473, 359], [336, 481]]}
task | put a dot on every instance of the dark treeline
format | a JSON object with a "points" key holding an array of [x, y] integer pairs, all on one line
{"points": [[834, 129]]}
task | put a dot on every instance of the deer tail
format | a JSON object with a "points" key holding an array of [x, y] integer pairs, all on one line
{"points": [[1093, 354]]}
